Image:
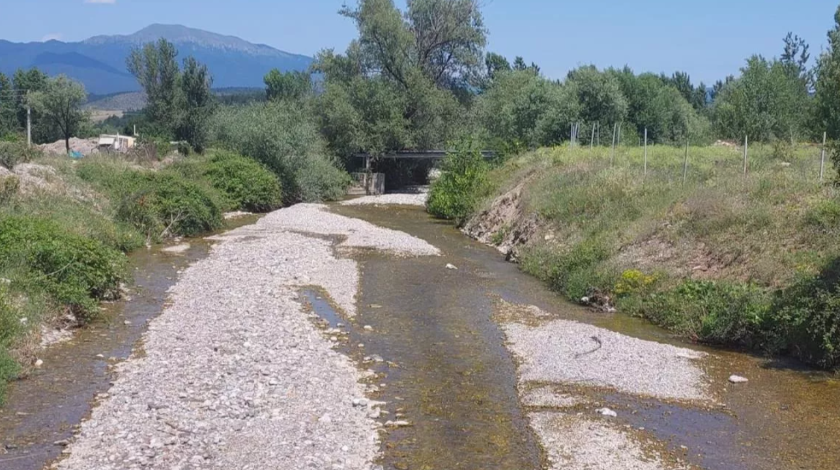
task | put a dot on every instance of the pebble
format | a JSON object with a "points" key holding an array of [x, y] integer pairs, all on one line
{"points": [[737, 379], [451, 267], [607, 412]]}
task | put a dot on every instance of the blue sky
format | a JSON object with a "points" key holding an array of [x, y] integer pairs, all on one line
{"points": [[708, 39]]}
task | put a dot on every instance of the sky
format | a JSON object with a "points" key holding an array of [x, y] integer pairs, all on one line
{"points": [[709, 39]]}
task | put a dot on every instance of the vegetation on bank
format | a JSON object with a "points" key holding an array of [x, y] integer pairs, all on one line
{"points": [[720, 257], [65, 228]]}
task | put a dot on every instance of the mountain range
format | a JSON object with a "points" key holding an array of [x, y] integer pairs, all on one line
{"points": [[99, 62]]}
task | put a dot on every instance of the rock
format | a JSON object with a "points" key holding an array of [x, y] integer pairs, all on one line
{"points": [[368, 328], [607, 412], [62, 443], [38, 363], [737, 379], [452, 267], [397, 424], [127, 323]]}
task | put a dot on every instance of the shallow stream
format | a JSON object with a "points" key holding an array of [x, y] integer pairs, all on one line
{"points": [[442, 366]]}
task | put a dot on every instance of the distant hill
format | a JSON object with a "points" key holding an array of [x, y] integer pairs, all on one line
{"points": [[99, 62]]}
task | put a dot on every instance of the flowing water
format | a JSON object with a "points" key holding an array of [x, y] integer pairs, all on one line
{"points": [[442, 366]]}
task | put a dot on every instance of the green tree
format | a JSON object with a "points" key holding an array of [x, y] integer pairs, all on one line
{"points": [[765, 103], [287, 86], [60, 104], [495, 63], [403, 82], [27, 82], [828, 83], [156, 69], [196, 104], [795, 59], [8, 120], [599, 94]]}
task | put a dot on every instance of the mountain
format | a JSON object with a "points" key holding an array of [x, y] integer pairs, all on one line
{"points": [[99, 62]]}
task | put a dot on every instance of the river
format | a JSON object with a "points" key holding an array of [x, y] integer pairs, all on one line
{"points": [[442, 364]]}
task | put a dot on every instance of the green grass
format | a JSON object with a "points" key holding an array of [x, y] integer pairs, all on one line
{"points": [[723, 247]]}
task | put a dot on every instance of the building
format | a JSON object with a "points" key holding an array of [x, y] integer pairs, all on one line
{"points": [[116, 143]]}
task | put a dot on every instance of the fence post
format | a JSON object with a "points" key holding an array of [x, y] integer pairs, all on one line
{"points": [[685, 162], [746, 150], [612, 158], [645, 152], [822, 158], [592, 138]]}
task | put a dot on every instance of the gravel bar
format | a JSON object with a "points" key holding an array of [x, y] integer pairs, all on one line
{"points": [[577, 442], [233, 373], [568, 352], [399, 199]]}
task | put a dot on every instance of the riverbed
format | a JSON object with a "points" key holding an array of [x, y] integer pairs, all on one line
{"points": [[436, 341]]}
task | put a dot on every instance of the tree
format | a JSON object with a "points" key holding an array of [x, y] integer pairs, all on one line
{"points": [[8, 120], [157, 72], [60, 104], [287, 86], [403, 82], [765, 103], [196, 104], [599, 94], [828, 83], [495, 63], [795, 59]]}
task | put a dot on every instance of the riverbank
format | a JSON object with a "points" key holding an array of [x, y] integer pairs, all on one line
{"points": [[718, 258], [65, 227]]}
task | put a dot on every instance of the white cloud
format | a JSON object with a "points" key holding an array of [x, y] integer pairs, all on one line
{"points": [[106, 2], [52, 36]]}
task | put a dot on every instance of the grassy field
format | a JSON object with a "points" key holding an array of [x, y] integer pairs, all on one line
{"points": [[721, 256]]}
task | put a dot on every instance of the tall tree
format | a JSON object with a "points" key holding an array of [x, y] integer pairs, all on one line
{"points": [[156, 69], [60, 104], [495, 63], [8, 120], [287, 86], [828, 83], [196, 104], [795, 59]]}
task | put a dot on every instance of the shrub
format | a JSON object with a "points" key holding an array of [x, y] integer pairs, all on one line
{"points": [[806, 319], [286, 140], [717, 312], [12, 153], [575, 273], [9, 326], [634, 282], [165, 204], [8, 187], [462, 184], [824, 216], [244, 181], [75, 270]]}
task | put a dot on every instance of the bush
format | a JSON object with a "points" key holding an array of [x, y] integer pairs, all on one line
{"points": [[12, 153], [285, 140], [806, 319], [575, 273], [76, 271], [172, 202], [9, 326], [716, 312], [245, 182], [165, 204], [462, 184], [8, 187]]}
